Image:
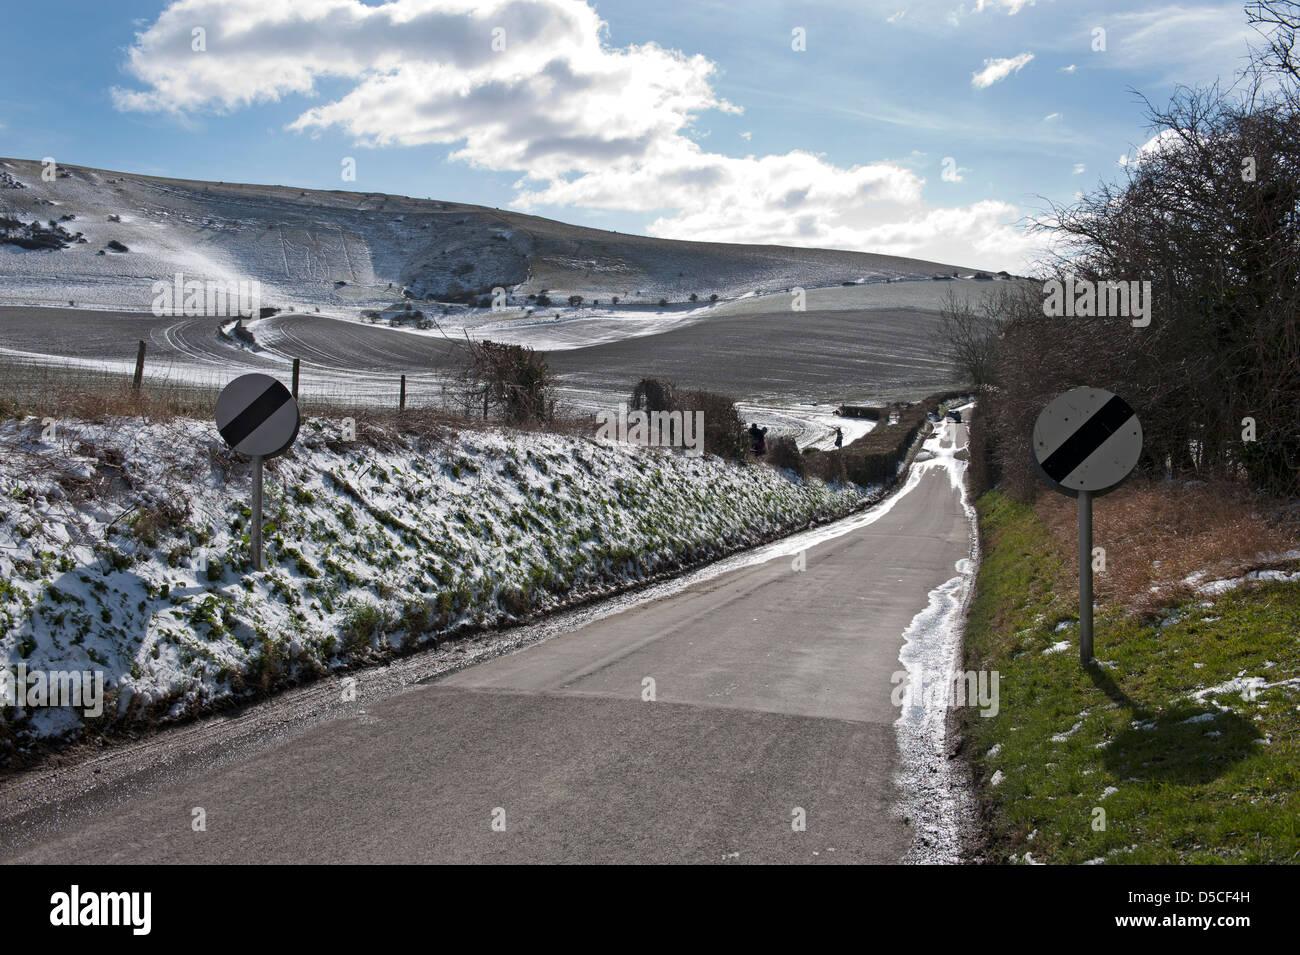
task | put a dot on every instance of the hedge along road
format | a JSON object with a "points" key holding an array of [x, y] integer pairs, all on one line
{"points": [[772, 695]]}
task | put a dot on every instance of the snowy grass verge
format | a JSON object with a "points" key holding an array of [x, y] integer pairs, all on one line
{"points": [[1181, 746], [124, 549]]}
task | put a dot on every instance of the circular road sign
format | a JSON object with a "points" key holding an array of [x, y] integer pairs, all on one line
{"points": [[1086, 440], [257, 416]]}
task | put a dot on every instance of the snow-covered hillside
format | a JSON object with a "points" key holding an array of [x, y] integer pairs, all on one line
{"points": [[343, 251], [123, 549]]}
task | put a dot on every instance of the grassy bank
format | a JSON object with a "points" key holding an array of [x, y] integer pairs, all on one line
{"points": [[1182, 746], [125, 549]]}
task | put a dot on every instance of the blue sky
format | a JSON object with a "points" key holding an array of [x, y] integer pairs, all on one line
{"points": [[690, 119]]}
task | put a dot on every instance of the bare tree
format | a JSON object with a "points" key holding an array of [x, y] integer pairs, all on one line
{"points": [[1277, 22], [971, 332], [1209, 214]]}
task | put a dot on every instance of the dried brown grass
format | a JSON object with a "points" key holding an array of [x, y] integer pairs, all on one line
{"points": [[1157, 534], [66, 394]]}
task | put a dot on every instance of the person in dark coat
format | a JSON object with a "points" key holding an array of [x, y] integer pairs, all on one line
{"points": [[758, 438], [839, 437]]}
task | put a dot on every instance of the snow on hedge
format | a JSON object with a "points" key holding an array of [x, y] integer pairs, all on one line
{"points": [[124, 548]]}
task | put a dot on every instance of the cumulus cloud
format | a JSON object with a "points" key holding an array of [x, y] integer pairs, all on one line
{"points": [[1164, 140], [996, 70], [532, 86], [1011, 6]]}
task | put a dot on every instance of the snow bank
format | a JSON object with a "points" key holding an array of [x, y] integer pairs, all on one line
{"points": [[935, 794]]}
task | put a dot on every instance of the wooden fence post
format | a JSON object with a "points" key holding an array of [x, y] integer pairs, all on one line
{"points": [[139, 367]]}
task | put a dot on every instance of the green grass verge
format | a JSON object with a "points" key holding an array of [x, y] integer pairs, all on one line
{"points": [[1124, 765]]}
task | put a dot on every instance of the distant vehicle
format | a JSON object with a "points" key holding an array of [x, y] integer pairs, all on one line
{"points": [[954, 415], [934, 416]]}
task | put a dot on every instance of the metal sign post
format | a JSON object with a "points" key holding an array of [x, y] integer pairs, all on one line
{"points": [[1085, 443], [1085, 577], [257, 416], [255, 532]]}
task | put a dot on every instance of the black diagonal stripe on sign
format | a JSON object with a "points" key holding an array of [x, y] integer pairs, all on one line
{"points": [[251, 418], [1087, 439]]}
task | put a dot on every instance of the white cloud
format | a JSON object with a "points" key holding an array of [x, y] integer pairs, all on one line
{"points": [[1069, 69], [955, 16], [984, 232], [1078, 169], [1012, 6], [747, 135], [588, 125], [1052, 118], [896, 17], [1185, 43], [1165, 139], [996, 70]]}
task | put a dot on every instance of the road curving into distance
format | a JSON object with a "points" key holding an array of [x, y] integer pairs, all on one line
{"points": [[772, 702]]}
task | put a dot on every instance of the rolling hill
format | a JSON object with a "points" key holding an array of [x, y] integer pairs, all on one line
{"points": [[339, 249]]}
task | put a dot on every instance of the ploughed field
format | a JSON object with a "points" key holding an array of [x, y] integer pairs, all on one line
{"points": [[825, 356]]}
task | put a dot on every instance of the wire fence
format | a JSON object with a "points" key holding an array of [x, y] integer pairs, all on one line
{"points": [[49, 385]]}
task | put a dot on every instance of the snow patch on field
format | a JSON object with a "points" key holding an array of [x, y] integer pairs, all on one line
{"points": [[1215, 588], [1248, 687]]}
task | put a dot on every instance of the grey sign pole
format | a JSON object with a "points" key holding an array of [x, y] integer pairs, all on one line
{"points": [[255, 533], [1085, 577], [257, 416], [1085, 443]]}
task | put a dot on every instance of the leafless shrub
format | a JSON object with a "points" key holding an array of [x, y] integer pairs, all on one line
{"points": [[651, 394], [723, 429], [511, 380], [783, 453], [971, 332]]}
